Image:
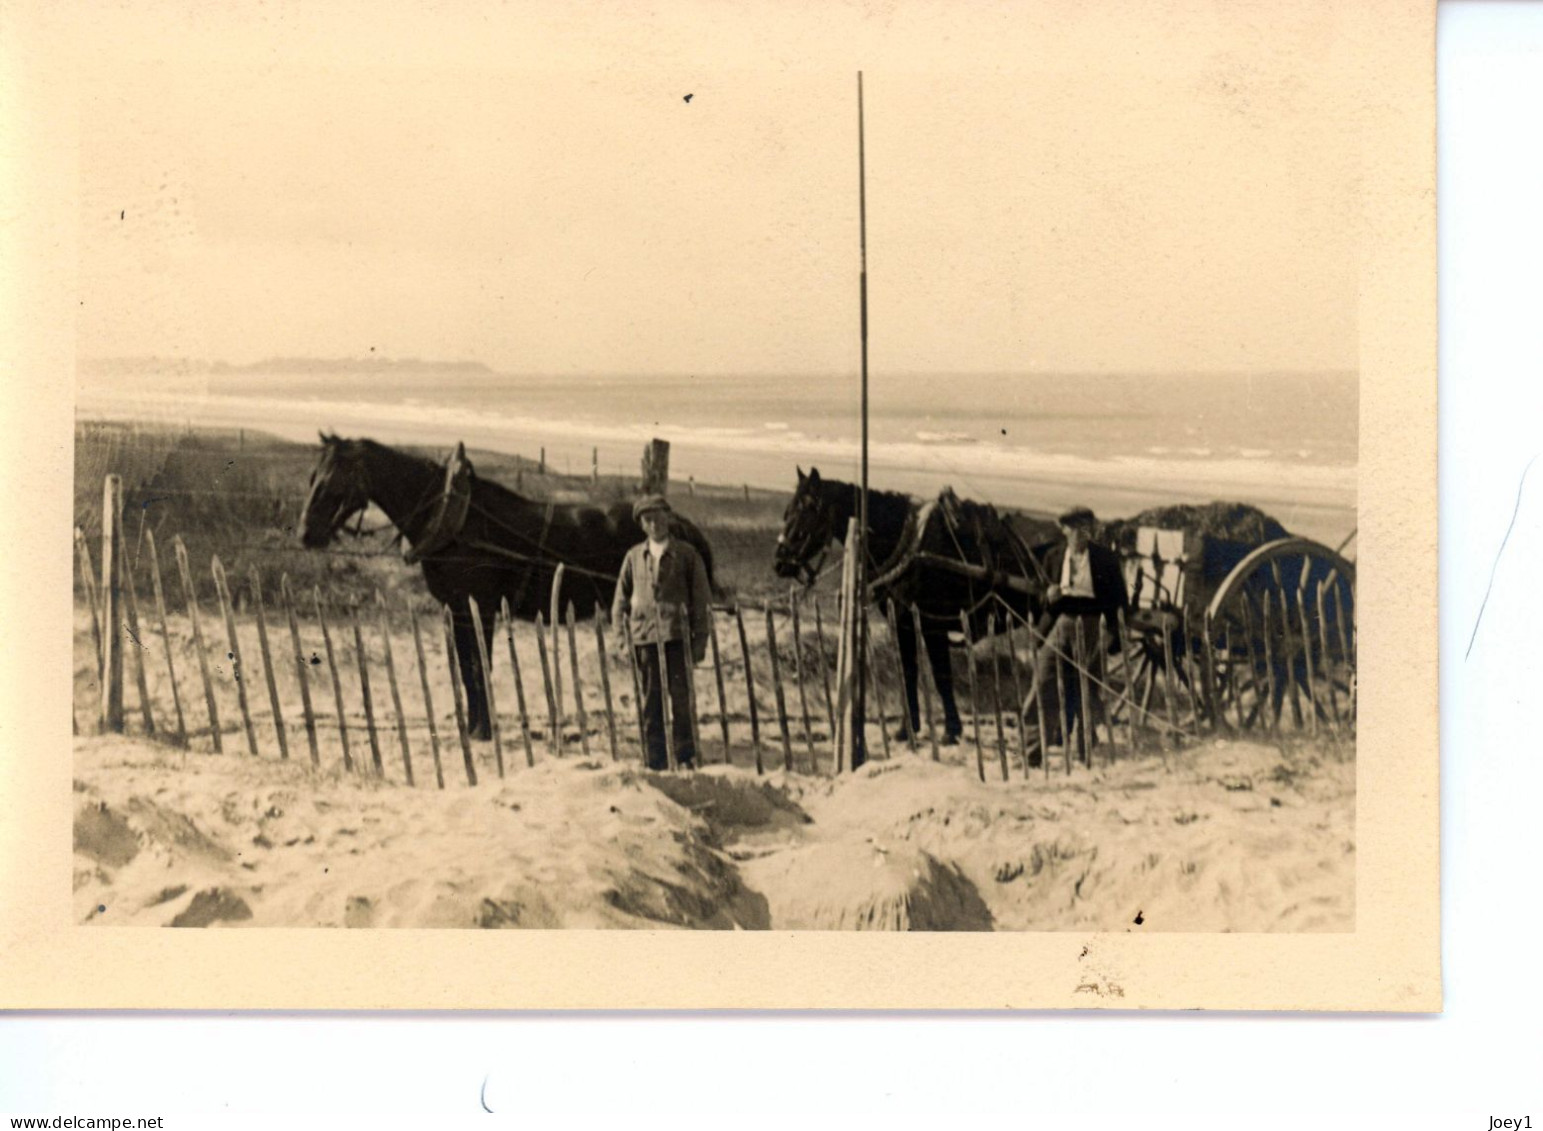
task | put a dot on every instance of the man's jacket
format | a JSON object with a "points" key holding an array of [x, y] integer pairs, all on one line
{"points": [[659, 595], [1109, 593]]}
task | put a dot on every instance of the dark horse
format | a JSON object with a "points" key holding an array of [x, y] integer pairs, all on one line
{"points": [[905, 545], [507, 549]]}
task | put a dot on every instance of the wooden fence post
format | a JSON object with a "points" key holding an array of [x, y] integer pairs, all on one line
{"points": [[555, 624], [874, 698], [605, 684], [112, 605], [723, 706], [665, 704], [996, 692], [688, 650], [337, 684], [361, 659], [262, 644], [906, 726], [160, 609], [190, 598], [234, 656], [656, 467], [744, 650], [782, 709], [554, 734], [578, 683], [830, 698], [487, 683], [519, 685], [301, 669], [969, 663], [798, 673], [455, 694], [637, 687], [88, 584], [923, 682], [396, 690], [131, 608], [428, 698]]}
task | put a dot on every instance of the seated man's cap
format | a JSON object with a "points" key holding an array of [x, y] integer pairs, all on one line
{"points": [[648, 503], [1077, 516]]}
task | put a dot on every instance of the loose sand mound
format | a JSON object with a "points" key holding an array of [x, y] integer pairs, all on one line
{"points": [[1228, 837]]}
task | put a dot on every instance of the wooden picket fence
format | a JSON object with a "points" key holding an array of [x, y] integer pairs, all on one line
{"points": [[372, 689]]}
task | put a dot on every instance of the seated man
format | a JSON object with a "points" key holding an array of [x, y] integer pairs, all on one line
{"points": [[1091, 586]]}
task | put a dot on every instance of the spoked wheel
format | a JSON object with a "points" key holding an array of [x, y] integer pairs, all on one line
{"points": [[1281, 630]]}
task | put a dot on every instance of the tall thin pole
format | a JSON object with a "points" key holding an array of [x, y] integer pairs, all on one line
{"points": [[860, 625]]}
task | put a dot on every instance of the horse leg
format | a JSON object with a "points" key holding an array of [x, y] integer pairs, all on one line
{"points": [[477, 722], [936, 641]]}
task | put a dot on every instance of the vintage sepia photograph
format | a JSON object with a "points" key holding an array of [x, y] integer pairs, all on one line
{"points": [[762, 501], [738, 503]]}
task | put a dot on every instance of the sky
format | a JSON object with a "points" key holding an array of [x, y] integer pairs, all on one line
{"points": [[1044, 194]]}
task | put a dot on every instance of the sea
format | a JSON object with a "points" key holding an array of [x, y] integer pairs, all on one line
{"points": [[1118, 442]]}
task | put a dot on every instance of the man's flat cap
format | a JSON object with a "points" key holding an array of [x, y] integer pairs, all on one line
{"points": [[647, 503], [1077, 516]]}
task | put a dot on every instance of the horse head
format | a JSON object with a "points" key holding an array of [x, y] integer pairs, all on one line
{"points": [[808, 525], [339, 490]]}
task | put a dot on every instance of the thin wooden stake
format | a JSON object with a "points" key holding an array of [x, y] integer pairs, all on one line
{"points": [[396, 690], [905, 707], [238, 669], [455, 694], [428, 698], [665, 711], [267, 655], [554, 734], [924, 683], [578, 684], [723, 702], [1276, 704], [776, 675], [1170, 694], [1018, 699], [996, 693], [798, 675], [519, 686], [830, 699], [1039, 704], [1133, 707], [1062, 722], [637, 687], [1212, 681], [1328, 665], [755, 725], [872, 670], [969, 663], [362, 661], [1307, 659], [112, 604], [131, 608], [487, 682], [88, 583], [160, 609], [688, 650], [337, 683], [1086, 737], [557, 652], [605, 685], [301, 669]]}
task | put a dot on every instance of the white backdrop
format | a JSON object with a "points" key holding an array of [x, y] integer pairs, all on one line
{"points": [[1480, 1058]]}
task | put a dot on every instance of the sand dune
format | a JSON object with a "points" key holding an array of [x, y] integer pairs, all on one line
{"points": [[1227, 837]]}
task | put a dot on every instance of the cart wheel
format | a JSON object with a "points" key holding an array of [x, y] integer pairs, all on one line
{"points": [[1281, 630]]}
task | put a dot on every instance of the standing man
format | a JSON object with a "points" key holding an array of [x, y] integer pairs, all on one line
{"points": [[1091, 587], [664, 591]]}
